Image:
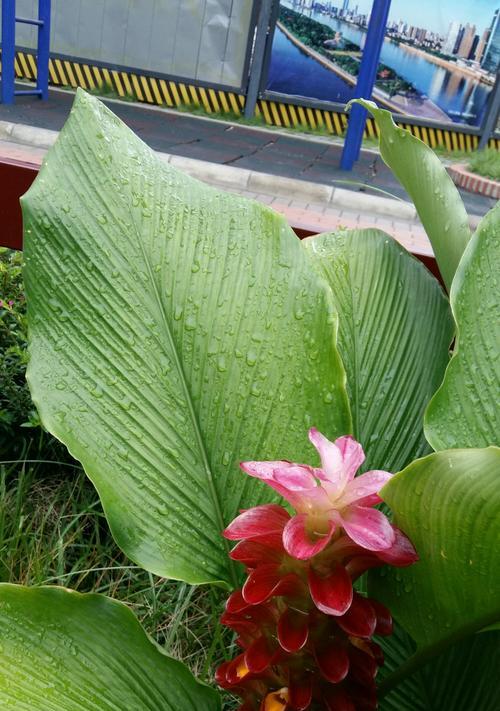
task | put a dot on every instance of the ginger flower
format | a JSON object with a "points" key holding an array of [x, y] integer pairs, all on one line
{"points": [[329, 498], [305, 633]]}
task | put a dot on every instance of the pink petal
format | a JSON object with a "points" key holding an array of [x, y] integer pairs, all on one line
{"points": [[297, 540], [293, 630], [333, 662], [369, 528], [265, 472], [295, 478], [267, 519], [352, 455], [401, 553], [360, 619], [330, 455], [261, 583], [363, 490], [332, 594]]}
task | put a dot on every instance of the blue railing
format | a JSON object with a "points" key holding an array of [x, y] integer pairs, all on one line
{"points": [[9, 19]]}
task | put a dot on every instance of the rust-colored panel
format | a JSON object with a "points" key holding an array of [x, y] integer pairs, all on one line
{"points": [[15, 178]]}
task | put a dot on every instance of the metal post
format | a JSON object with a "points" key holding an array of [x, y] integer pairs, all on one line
{"points": [[366, 80], [259, 50], [42, 76], [269, 45], [8, 50], [492, 113]]}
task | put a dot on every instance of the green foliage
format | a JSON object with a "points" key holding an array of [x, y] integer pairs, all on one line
{"points": [[395, 329], [462, 678], [16, 408], [433, 192], [53, 532], [92, 654], [486, 162], [175, 330], [449, 505], [465, 410], [20, 431]]}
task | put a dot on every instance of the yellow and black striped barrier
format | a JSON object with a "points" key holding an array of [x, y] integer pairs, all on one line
{"points": [[174, 93]]}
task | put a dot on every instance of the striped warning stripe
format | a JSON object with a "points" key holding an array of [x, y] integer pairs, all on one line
{"points": [[167, 92]]}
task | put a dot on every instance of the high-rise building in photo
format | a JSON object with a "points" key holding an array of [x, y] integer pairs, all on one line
{"points": [[491, 57], [452, 38], [467, 41], [482, 45]]}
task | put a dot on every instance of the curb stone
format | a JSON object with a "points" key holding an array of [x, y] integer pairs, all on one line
{"points": [[241, 178]]}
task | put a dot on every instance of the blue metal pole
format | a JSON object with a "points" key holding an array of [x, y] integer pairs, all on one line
{"points": [[8, 50], [42, 77], [366, 80]]}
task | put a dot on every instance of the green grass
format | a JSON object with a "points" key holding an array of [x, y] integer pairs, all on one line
{"points": [[486, 162], [53, 532]]}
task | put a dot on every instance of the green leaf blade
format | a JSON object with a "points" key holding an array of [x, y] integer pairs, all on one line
{"points": [[449, 506], [174, 331], [395, 328], [465, 410], [462, 678], [66, 651], [435, 196]]}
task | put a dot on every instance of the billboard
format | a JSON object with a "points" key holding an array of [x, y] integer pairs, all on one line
{"points": [[201, 40], [438, 59]]}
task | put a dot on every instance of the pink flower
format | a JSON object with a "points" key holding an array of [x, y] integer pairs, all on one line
{"points": [[329, 498]]}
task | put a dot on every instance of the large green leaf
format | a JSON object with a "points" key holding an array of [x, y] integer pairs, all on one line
{"points": [[463, 678], [449, 505], [64, 651], [395, 328], [465, 412], [174, 330], [427, 182]]}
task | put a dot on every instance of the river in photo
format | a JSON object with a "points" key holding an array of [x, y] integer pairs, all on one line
{"points": [[293, 72]]}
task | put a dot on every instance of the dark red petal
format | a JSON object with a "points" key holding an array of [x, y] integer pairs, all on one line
{"points": [[363, 667], [338, 700], [293, 630], [360, 619], [384, 618], [235, 602], [220, 674], [264, 520], [236, 670], [261, 583], [332, 594], [333, 662], [292, 586], [259, 655], [401, 553], [364, 697], [300, 693], [359, 564], [252, 552]]}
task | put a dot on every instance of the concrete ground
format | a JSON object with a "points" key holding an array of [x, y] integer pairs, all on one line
{"points": [[297, 176], [309, 158]]}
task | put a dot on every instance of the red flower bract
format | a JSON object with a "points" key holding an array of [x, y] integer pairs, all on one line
{"points": [[305, 633]]}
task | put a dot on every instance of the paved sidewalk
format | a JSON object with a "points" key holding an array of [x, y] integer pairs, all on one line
{"points": [[311, 159], [326, 210]]}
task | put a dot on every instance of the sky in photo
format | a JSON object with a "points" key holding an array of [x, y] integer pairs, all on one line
{"points": [[436, 15]]}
